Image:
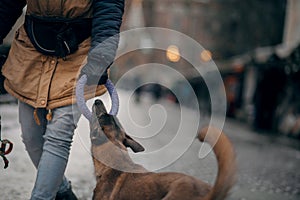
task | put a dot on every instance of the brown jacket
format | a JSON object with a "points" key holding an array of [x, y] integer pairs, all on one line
{"points": [[46, 81]]}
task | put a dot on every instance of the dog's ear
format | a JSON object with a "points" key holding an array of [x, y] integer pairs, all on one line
{"points": [[134, 145]]}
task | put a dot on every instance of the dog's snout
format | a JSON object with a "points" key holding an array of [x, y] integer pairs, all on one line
{"points": [[98, 102], [99, 108]]}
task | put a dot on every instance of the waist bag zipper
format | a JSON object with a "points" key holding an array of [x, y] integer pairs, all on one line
{"points": [[67, 46]]}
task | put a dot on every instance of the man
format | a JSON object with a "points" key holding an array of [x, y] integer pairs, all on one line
{"points": [[41, 70]]}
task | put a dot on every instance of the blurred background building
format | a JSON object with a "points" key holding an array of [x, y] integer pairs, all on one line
{"points": [[255, 45]]}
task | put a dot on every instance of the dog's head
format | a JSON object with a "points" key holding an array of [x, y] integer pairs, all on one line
{"points": [[105, 127]]}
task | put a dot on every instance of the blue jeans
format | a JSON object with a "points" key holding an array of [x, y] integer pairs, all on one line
{"points": [[48, 146]]}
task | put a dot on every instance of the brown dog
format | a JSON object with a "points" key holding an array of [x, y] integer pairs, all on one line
{"points": [[109, 143]]}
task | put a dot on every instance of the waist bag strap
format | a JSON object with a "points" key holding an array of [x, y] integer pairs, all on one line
{"points": [[57, 36]]}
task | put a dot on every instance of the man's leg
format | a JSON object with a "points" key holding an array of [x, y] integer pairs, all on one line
{"points": [[57, 142], [32, 133]]}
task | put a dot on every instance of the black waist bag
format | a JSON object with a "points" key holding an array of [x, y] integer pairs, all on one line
{"points": [[57, 36]]}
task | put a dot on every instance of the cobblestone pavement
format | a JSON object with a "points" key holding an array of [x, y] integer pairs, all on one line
{"points": [[268, 165]]}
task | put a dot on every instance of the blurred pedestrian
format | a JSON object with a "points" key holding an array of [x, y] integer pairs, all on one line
{"points": [[156, 90], [44, 62], [139, 89]]}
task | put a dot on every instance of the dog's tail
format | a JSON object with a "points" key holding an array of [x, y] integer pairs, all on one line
{"points": [[225, 154]]}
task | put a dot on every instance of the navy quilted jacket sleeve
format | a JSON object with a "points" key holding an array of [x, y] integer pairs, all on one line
{"points": [[107, 20], [10, 11]]}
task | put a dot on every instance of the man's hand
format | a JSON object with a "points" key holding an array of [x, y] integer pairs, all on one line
{"points": [[96, 70], [94, 78]]}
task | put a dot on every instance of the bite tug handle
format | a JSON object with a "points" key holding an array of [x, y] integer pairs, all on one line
{"points": [[79, 92]]}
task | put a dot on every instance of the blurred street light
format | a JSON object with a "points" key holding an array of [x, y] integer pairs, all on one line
{"points": [[173, 53], [206, 55]]}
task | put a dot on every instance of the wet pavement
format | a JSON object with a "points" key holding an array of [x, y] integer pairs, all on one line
{"points": [[268, 165]]}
